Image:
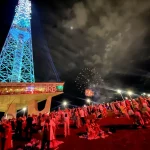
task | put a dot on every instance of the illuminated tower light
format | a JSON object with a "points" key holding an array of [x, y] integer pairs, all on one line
{"points": [[16, 59]]}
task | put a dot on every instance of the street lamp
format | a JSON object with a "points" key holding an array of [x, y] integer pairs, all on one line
{"points": [[130, 93], [65, 103], [88, 100], [120, 92], [144, 94]]}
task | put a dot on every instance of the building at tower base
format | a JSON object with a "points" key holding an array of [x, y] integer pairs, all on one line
{"points": [[16, 96]]}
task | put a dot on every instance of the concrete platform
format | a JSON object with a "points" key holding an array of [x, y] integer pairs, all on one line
{"points": [[15, 96]]}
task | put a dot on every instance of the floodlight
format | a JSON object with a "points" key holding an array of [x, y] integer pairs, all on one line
{"points": [[119, 91], [88, 100], [65, 103], [129, 93]]}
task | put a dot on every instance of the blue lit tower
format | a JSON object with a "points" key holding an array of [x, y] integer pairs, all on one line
{"points": [[16, 59]]}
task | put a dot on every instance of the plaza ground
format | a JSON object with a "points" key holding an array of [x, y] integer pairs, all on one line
{"points": [[123, 139], [135, 139]]}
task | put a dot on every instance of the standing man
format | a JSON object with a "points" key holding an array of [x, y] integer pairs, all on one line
{"points": [[66, 122], [19, 127], [29, 121]]}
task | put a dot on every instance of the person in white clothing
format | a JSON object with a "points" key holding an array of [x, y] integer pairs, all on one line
{"points": [[66, 123]]}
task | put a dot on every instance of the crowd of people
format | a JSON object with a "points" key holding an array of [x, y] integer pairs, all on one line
{"points": [[136, 109]]}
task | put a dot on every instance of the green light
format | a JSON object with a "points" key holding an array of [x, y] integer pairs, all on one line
{"points": [[60, 87]]}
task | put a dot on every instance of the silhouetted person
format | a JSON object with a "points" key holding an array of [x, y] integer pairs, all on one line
{"points": [[2, 137], [19, 126], [46, 135], [29, 126], [5, 136], [39, 120]]}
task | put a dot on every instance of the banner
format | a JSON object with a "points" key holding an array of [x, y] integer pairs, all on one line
{"points": [[30, 88]]}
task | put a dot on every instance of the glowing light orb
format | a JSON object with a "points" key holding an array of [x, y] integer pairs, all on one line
{"points": [[119, 91], [24, 109], [130, 93], [88, 100], [65, 103], [71, 28], [144, 94]]}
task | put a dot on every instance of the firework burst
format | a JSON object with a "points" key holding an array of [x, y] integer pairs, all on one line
{"points": [[89, 79]]}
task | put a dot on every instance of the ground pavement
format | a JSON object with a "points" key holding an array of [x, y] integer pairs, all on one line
{"points": [[135, 139], [123, 139]]}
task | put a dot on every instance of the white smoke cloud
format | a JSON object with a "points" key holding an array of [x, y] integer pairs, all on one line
{"points": [[108, 35], [81, 15], [119, 25]]}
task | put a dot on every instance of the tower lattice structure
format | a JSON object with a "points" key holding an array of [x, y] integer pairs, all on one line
{"points": [[16, 59]]}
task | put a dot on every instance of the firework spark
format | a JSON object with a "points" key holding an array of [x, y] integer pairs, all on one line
{"points": [[88, 79]]}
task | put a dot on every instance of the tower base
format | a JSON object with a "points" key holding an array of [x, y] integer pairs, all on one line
{"points": [[33, 107], [16, 96]]}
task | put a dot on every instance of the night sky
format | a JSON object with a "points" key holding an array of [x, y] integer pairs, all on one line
{"points": [[112, 36]]}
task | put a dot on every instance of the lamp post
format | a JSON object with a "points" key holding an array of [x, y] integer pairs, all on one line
{"points": [[120, 92]]}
